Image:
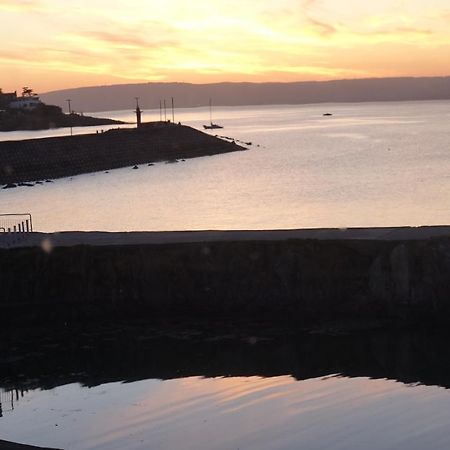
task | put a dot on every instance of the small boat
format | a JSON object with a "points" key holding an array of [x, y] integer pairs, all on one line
{"points": [[211, 126], [328, 114]]}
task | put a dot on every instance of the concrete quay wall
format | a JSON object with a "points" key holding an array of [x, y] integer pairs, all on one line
{"points": [[300, 278]]}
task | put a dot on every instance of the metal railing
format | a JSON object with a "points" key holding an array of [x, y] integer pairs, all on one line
{"points": [[16, 223], [9, 399]]}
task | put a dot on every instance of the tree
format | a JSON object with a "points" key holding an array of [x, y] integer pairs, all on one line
{"points": [[27, 92]]}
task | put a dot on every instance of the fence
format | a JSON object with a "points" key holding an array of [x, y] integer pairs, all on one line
{"points": [[9, 399], [16, 223]]}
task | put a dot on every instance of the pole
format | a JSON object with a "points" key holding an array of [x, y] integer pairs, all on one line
{"points": [[210, 111], [70, 116], [173, 112], [160, 111], [138, 113], [165, 111]]}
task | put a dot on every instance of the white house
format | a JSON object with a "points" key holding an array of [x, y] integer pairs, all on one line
{"points": [[27, 103]]}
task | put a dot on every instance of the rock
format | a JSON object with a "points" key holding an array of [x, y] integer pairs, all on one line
{"points": [[135, 167]]}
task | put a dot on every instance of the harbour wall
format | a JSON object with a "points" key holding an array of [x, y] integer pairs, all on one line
{"points": [[304, 279], [50, 158]]}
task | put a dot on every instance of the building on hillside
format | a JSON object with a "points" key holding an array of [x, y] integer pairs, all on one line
{"points": [[26, 103], [6, 98]]}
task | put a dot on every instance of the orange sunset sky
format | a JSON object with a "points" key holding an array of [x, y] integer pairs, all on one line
{"points": [[53, 44]]}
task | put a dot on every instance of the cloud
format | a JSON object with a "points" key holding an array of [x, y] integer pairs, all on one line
{"points": [[21, 5], [322, 28], [308, 5], [126, 39]]}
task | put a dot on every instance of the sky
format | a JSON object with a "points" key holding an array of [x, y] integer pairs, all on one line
{"points": [[55, 44]]}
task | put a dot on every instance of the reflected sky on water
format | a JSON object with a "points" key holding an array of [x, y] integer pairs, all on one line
{"points": [[248, 390]]}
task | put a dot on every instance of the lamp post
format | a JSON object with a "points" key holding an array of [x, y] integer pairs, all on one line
{"points": [[138, 113]]}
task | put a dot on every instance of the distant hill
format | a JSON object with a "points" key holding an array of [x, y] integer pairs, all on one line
{"points": [[116, 97]]}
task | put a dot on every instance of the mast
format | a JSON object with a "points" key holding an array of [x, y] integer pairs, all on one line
{"points": [[210, 111], [173, 112]]}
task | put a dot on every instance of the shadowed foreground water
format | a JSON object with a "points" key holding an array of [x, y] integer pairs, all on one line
{"points": [[254, 388]]}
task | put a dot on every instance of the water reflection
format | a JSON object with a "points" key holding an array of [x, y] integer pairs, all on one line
{"points": [[251, 388], [132, 353]]}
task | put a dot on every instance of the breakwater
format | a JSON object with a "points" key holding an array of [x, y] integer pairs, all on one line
{"points": [[50, 158], [406, 277]]}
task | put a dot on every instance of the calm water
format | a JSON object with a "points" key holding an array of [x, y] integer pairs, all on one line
{"points": [[375, 391], [378, 164]]}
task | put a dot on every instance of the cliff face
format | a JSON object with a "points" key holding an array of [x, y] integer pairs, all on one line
{"points": [[306, 280], [37, 159]]}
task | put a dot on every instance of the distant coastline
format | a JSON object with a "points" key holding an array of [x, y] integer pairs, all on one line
{"points": [[186, 95], [27, 112], [47, 117]]}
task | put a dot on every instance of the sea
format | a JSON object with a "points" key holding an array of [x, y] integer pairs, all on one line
{"points": [[371, 164], [367, 165]]}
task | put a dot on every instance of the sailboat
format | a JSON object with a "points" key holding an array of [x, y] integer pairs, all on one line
{"points": [[211, 126]]}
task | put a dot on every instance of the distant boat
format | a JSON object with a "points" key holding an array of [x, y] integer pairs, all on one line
{"points": [[211, 126], [328, 114]]}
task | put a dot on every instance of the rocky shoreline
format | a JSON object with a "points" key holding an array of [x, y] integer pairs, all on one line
{"points": [[39, 160]]}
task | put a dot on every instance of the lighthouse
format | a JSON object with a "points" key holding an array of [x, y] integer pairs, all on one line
{"points": [[138, 113]]}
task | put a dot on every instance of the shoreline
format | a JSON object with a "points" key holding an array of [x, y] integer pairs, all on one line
{"points": [[6, 445]]}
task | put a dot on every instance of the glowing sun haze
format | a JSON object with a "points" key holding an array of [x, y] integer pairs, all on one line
{"points": [[51, 44]]}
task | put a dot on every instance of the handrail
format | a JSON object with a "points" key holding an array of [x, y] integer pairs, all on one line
{"points": [[29, 219]]}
